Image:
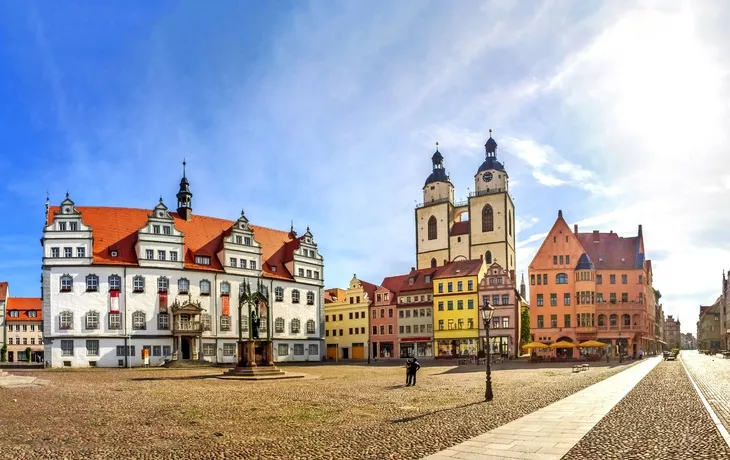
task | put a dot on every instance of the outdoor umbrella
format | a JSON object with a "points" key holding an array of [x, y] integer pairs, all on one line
{"points": [[592, 344], [562, 344], [532, 345]]}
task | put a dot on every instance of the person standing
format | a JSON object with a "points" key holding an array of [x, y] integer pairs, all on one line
{"points": [[413, 367]]}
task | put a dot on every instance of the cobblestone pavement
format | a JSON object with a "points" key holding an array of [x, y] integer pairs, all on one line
{"points": [[712, 375], [661, 418], [352, 412]]}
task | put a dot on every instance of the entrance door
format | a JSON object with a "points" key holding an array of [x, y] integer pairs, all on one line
{"points": [[345, 353], [375, 350], [358, 351], [331, 351], [10, 356], [185, 348]]}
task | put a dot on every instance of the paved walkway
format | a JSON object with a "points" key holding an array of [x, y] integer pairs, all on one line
{"points": [[549, 433], [712, 376], [17, 381]]}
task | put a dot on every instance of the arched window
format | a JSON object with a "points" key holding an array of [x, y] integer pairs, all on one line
{"points": [[310, 326], [162, 284], [183, 286], [279, 325], [278, 293], [509, 221], [487, 218], [66, 283], [295, 326], [92, 283], [66, 320], [601, 320], [626, 320], [225, 288], [432, 232], [204, 287], [139, 320], [310, 298], [613, 319], [115, 283], [433, 263], [92, 320], [488, 257], [295, 296], [561, 278]]}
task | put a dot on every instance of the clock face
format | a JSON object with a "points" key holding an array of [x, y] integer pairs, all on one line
{"points": [[487, 176]]}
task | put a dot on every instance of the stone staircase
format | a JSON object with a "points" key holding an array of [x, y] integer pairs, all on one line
{"points": [[259, 373]]}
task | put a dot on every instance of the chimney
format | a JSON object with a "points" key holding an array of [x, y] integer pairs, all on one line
{"points": [[575, 229], [560, 213], [481, 257], [413, 269], [446, 262], [596, 237]]}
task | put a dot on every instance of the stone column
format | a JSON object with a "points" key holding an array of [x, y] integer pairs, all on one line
{"points": [[201, 356]]}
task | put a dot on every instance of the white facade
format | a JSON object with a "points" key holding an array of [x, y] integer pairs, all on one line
{"points": [[81, 330]]}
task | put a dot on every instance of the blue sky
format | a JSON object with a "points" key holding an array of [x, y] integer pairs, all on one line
{"points": [[326, 113]]}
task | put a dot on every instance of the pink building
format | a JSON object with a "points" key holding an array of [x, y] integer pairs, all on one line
{"points": [[498, 286], [383, 319]]}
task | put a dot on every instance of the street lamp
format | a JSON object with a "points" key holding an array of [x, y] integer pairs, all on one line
{"points": [[487, 312]]}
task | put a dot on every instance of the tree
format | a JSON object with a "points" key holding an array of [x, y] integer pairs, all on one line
{"points": [[524, 328], [4, 353], [28, 354]]}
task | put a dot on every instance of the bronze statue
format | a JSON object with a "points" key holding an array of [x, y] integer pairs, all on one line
{"points": [[255, 323]]}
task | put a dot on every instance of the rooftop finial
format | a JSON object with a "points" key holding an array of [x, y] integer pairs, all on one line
{"points": [[490, 132], [66, 193], [242, 213], [437, 146], [292, 226], [48, 196], [184, 164]]}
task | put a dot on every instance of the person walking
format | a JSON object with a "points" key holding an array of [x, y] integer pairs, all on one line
{"points": [[413, 367]]}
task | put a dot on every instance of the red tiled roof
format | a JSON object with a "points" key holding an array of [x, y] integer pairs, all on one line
{"points": [[460, 228], [459, 268], [116, 229], [419, 281], [610, 249], [370, 288], [24, 305], [394, 284], [3, 290]]}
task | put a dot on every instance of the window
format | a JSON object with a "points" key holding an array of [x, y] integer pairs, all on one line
{"points": [[544, 279], [138, 284], [566, 320], [561, 278], [149, 254], [167, 230], [553, 300], [301, 272], [459, 286], [278, 293], [234, 262], [226, 322], [612, 279], [279, 325], [283, 349], [310, 298], [202, 260], [313, 349], [66, 283], [316, 276], [173, 256], [612, 297], [459, 304], [247, 240], [441, 325], [225, 289], [92, 320], [80, 252], [229, 349], [298, 349], [432, 230], [209, 349], [624, 297], [252, 265], [295, 326], [166, 350], [561, 260], [161, 255], [566, 299], [450, 287], [375, 330], [488, 257], [32, 314], [505, 322], [309, 273], [450, 306], [162, 284], [204, 287], [182, 286], [163, 321], [54, 252], [92, 348], [555, 260], [92, 283], [115, 283], [66, 320], [295, 296], [567, 258], [115, 321], [67, 347], [469, 285], [532, 280], [553, 320], [310, 326], [67, 252], [539, 300], [62, 226], [156, 229], [470, 304], [624, 279], [487, 219], [139, 321], [599, 279]]}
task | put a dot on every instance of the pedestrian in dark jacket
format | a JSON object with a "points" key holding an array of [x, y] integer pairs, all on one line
{"points": [[412, 368]]}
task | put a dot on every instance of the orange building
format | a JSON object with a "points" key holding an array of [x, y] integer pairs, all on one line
{"points": [[592, 286]]}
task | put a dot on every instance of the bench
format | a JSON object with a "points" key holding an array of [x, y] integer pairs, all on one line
{"points": [[581, 367]]}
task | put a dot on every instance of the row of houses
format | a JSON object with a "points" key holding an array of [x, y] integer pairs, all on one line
{"points": [[21, 327], [427, 313]]}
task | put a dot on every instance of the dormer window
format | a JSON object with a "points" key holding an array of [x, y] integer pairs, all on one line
{"points": [[32, 314], [428, 278], [62, 226], [202, 260], [73, 226], [239, 239], [14, 313], [410, 280], [273, 268], [156, 229], [308, 240], [247, 241], [160, 214], [67, 210], [114, 253], [167, 230]]}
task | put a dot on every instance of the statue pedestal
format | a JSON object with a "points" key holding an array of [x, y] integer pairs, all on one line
{"points": [[256, 362]]}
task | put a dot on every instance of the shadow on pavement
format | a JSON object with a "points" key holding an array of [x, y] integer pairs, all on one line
{"points": [[426, 414]]}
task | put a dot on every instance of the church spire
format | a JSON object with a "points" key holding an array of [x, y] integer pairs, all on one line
{"points": [[523, 288], [491, 146], [185, 197]]}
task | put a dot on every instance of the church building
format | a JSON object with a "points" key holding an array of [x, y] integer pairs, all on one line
{"points": [[482, 227], [120, 285]]}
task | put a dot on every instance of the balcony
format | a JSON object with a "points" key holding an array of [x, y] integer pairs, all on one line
{"points": [[585, 329], [187, 326], [490, 191], [456, 204], [620, 306]]}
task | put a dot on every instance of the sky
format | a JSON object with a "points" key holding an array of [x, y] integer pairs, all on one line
{"points": [[326, 114]]}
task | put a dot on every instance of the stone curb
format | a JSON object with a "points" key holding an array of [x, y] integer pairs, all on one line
{"points": [[715, 419]]}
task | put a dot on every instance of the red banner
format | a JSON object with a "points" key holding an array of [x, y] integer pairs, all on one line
{"points": [[114, 306], [226, 306], [163, 302]]}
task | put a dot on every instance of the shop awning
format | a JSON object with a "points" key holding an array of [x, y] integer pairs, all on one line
{"points": [[416, 339]]}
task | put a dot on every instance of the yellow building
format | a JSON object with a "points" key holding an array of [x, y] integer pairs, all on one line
{"points": [[443, 231], [346, 320], [456, 307]]}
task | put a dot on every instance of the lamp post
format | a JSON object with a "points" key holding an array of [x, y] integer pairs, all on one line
{"points": [[487, 312]]}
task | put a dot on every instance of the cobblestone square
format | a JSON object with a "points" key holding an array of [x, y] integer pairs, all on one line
{"points": [[338, 411]]}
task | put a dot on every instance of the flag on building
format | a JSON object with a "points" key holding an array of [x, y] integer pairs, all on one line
{"points": [[114, 301]]}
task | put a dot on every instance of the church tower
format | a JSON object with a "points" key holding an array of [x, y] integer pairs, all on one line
{"points": [[492, 212], [434, 216], [185, 198]]}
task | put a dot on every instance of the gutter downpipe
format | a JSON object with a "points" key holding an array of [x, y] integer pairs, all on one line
{"points": [[127, 339]]}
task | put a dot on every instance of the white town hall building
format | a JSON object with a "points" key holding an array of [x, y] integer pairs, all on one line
{"points": [[117, 281]]}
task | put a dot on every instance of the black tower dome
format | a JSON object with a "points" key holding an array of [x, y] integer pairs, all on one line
{"points": [[185, 198], [439, 173], [490, 162]]}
